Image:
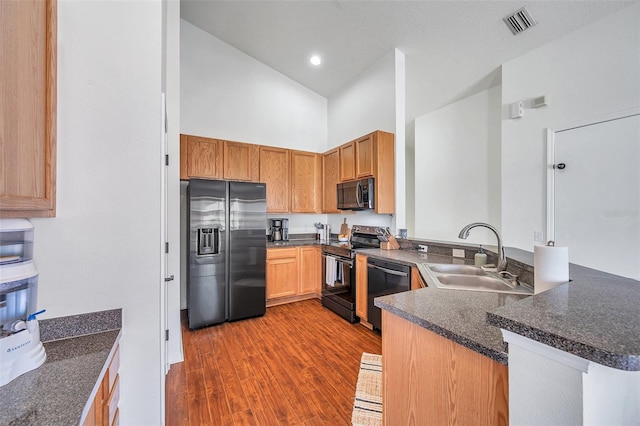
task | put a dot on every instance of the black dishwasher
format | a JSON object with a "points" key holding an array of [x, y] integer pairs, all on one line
{"points": [[384, 277]]}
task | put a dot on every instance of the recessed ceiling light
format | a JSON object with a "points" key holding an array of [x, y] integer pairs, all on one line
{"points": [[315, 60]]}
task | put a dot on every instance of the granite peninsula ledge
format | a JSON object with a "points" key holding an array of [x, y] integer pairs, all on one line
{"points": [[595, 316]]}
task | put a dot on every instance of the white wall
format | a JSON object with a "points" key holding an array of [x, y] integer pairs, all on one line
{"points": [[588, 73], [228, 95], [367, 104], [457, 168], [172, 90], [102, 250]]}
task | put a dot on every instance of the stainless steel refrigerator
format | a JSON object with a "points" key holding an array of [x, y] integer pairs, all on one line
{"points": [[227, 251]]}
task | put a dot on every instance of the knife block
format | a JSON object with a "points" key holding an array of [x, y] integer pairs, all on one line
{"points": [[392, 244]]}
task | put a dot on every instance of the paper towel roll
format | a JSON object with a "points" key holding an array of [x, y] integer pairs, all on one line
{"points": [[550, 267]]}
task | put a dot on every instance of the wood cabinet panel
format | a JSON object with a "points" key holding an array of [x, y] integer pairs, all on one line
{"points": [[416, 279], [347, 161], [305, 182], [330, 180], [365, 157], [241, 161], [204, 157], [384, 173], [463, 386], [310, 270], [274, 171], [28, 48], [361, 287], [282, 272]]}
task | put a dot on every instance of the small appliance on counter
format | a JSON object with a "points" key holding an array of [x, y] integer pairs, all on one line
{"points": [[279, 229], [20, 344]]}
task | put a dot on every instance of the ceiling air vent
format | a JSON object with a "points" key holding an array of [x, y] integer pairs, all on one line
{"points": [[519, 21]]}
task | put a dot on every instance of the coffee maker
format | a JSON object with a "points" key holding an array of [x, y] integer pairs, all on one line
{"points": [[279, 229], [20, 346]]}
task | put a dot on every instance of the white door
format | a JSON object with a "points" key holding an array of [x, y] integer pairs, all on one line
{"points": [[596, 194]]}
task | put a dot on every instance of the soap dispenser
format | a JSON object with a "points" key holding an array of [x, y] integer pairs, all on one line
{"points": [[480, 257]]}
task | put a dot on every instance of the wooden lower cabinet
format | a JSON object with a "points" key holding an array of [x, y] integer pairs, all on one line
{"points": [[282, 272], [293, 272], [310, 277], [361, 287], [429, 379], [416, 279], [104, 408]]}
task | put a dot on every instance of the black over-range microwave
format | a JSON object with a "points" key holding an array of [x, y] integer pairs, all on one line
{"points": [[356, 195]]}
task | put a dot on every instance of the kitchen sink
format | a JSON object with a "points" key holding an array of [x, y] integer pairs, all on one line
{"points": [[469, 277], [456, 269], [473, 282]]}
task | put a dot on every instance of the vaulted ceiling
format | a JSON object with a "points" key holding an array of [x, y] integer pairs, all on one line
{"points": [[452, 49]]}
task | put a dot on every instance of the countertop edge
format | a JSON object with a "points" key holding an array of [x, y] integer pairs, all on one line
{"points": [[624, 362], [497, 356], [105, 367]]}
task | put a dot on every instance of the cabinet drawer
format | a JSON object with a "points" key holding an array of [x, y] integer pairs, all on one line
{"points": [[282, 253]]}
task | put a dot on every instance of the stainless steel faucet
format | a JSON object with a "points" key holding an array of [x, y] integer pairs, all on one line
{"points": [[502, 260]]}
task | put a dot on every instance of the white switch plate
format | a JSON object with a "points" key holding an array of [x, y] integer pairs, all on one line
{"points": [[422, 248], [458, 252], [538, 236]]}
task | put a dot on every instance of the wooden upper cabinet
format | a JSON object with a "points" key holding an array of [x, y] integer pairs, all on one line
{"points": [[274, 171], [241, 161], [201, 157], [330, 179], [347, 161], [384, 172], [306, 184], [28, 36], [365, 156]]}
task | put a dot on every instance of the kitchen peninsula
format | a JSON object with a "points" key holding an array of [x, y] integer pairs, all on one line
{"points": [[594, 317]]}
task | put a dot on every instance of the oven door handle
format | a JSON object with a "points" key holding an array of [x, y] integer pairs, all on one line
{"points": [[388, 271], [340, 259]]}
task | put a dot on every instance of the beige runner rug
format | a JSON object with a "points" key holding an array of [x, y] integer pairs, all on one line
{"points": [[367, 405]]}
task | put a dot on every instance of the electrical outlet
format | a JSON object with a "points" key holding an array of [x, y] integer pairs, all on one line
{"points": [[422, 248], [538, 236], [458, 252]]}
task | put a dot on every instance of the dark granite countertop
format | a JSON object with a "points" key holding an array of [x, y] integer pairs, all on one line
{"points": [[57, 392], [295, 243], [457, 315], [595, 316]]}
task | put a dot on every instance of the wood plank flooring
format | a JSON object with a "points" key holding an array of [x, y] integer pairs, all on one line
{"points": [[297, 365]]}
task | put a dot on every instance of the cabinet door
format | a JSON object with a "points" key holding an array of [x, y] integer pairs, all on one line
{"points": [[274, 171], [241, 161], [310, 270], [305, 182], [282, 272], [347, 161], [28, 39], [384, 173], [361, 287], [330, 179], [204, 157], [365, 157]]}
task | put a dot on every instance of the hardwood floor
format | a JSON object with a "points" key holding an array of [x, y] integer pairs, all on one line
{"points": [[297, 365]]}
